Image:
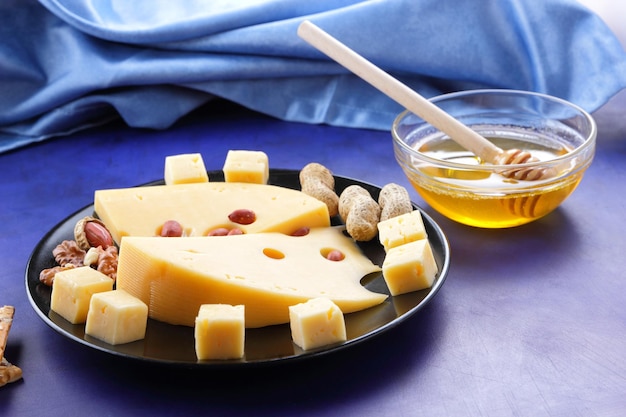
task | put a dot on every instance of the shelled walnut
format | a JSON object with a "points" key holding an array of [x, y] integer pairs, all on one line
{"points": [[107, 261], [47, 275], [68, 252]]}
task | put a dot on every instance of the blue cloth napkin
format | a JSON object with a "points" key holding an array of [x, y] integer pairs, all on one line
{"points": [[70, 64]]}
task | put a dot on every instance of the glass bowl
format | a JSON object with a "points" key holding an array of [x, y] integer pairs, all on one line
{"points": [[465, 189]]}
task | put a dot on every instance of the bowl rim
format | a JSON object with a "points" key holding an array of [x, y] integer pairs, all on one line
{"points": [[587, 143]]}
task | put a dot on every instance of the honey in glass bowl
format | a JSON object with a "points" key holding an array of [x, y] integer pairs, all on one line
{"points": [[463, 188]]}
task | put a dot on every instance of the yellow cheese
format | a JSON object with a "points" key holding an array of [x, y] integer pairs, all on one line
{"points": [[409, 267], [185, 169], [72, 291], [316, 323], [116, 317], [220, 332], [401, 229], [266, 272], [202, 207], [246, 166]]}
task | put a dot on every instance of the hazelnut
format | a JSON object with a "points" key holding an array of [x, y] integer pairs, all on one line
{"points": [[91, 232]]}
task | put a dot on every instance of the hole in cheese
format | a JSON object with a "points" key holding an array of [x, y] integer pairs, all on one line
{"points": [[273, 253]]}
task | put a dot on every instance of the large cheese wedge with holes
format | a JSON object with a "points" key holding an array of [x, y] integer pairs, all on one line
{"points": [[266, 272], [202, 207]]}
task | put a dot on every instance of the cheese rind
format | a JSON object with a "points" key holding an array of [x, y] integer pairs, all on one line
{"points": [[316, 323], [401, 229], [246, 166], [116, 317], [202, 207], [409, 267], [219, 332], [185, 169], [72, 291], [174, 277]]}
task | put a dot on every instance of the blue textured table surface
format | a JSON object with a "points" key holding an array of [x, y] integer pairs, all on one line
{"points": [[531, 320]]}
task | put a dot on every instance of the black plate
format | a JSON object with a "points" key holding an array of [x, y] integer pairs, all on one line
{"points": [[169, 344]]}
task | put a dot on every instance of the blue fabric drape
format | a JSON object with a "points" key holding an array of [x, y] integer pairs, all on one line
{"points": [[70, 64]]}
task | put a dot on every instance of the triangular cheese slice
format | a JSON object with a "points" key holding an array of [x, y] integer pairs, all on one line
{"points": [[202, 207], [266, 272]]}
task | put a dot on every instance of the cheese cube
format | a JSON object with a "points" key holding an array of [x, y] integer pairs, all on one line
{"points": [[315, 323], [409, 267], [246, 166], [220, 331], [402, 229], [185, 169], [116, 317], [72, 291]]}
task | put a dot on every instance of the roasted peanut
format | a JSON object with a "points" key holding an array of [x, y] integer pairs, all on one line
{"points": [[171, 228], [223, 231], [220, 231], [98, 235], [335, 255], [91, 232], [242, 216], [394, 200], [303, 231], [318, 182], [359, 212]]}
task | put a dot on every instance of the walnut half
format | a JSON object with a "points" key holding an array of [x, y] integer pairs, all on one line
{"points": [[47, 275], [107, 261], [68, 252]]}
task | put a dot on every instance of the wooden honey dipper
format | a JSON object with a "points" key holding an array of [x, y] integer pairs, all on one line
{"points": [[411, 100]]}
